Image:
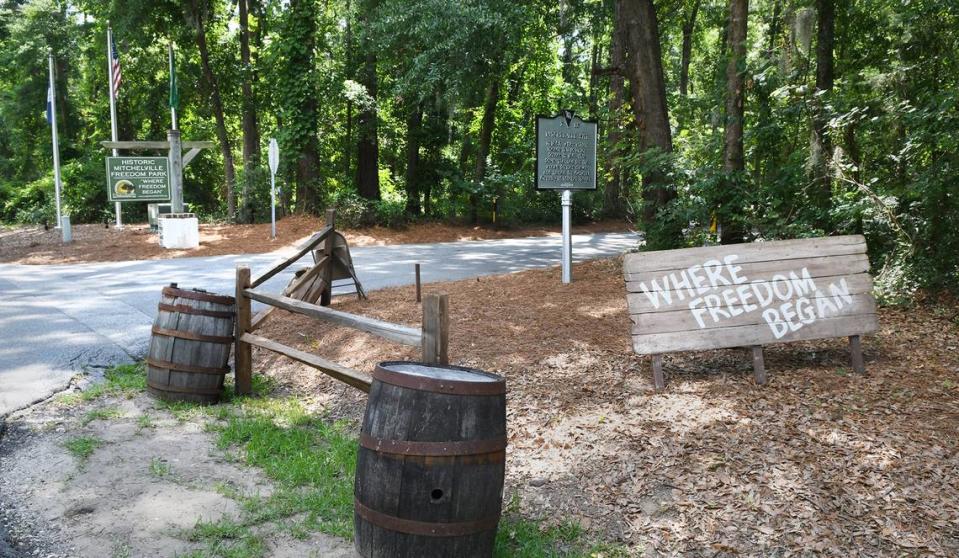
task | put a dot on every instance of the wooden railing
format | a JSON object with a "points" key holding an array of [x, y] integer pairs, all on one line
{"points": [[432, 337]]}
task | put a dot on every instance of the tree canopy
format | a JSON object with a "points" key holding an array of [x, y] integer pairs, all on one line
{"points": [[720, 120]]}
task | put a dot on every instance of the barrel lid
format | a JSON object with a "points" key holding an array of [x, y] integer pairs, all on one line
{"points": [[439, 378], [197, 294]]}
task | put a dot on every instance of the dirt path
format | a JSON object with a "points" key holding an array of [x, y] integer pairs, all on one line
{"points": [[151, 480], [820, 461], [96, 243]]}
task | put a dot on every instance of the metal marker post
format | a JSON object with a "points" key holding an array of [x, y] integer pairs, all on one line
{"points": [[274, 157], [567, 237], [52, 94]]}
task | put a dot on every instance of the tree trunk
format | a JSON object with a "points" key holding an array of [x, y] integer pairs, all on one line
{"points": [[368, 150], [348, 48], [645, 70], [305, 104], [612, 199], [689, 24], [414, 121], [485, 140], [733, 230], [820, 147], [225, 146], [251, 133]]}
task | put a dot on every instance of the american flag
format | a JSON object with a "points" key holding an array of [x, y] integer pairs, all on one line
{"points": [[115, 67]]}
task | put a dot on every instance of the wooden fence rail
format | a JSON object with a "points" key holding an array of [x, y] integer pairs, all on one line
{"points": [[432, 337]]}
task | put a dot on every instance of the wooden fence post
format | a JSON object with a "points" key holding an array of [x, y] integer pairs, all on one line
{"points": [[419, 291], [436, 328], [327, 295], [243, 355]]}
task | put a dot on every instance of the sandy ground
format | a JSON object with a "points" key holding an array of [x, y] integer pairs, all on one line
{"points": [[116, 503], [820, 461], [96, 243]]}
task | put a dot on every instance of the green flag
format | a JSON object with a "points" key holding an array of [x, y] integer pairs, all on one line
{"points": [[174, 94]]}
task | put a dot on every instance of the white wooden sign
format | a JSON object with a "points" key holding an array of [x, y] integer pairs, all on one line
{"points": [[749, 295]]}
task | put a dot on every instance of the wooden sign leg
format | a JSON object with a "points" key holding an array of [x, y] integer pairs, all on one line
{"points": [[658, 382], [855, 353], [759, 365]]}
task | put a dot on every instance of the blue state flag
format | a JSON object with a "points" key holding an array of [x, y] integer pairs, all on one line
{"points": [[50, 105]]}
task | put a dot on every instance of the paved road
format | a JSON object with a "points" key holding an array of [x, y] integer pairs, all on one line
{"points": [[58, 319]]}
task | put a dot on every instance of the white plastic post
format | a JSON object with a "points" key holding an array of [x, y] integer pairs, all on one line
{"points": [[567, 237]]}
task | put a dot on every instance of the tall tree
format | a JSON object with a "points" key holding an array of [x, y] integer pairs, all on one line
{"points": [[733, 230], [251, 132], [298, 100], [820, 146], [198, 16], [612, 198], [368, 150], [645, 70], [689, 25], [485, 140]]}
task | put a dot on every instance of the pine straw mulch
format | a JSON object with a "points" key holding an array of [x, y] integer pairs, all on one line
{"points": [[96, 243], [820, 461]]}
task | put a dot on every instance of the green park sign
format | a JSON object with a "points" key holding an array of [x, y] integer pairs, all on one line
{"points": [[138, 179]]}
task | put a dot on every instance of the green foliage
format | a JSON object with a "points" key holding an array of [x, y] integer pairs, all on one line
{"points": [[82, 447], [890, 117]]}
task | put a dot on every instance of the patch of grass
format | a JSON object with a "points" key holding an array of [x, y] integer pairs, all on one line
{"points": [[123, 379], [106, 413], [523, 538], [311, 460], [159, 468], [82, 447], [227, 539], [144, 421]]}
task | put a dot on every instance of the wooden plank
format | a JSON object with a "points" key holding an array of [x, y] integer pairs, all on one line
{"points": [[658, 382], [436, 328], [718, 318], [190, 155], [295, 289], [759, 365], [349, 376], [641, 303], [817, 267], [394, 332], [326, 295], [855, 353], [744, 336], [305, 249], [135, 144], [155, 145], [243, 359], [664, 260]]}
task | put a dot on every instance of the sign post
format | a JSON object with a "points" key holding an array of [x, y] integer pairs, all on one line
{"points": [[566, 161], [274, 157]]}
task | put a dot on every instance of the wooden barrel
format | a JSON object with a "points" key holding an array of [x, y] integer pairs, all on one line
{"points": [[190, 347], [429, 474]]}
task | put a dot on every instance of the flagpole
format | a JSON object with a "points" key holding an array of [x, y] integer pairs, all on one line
{"points": [[172, 85], [113, 108], [56, 142]]}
